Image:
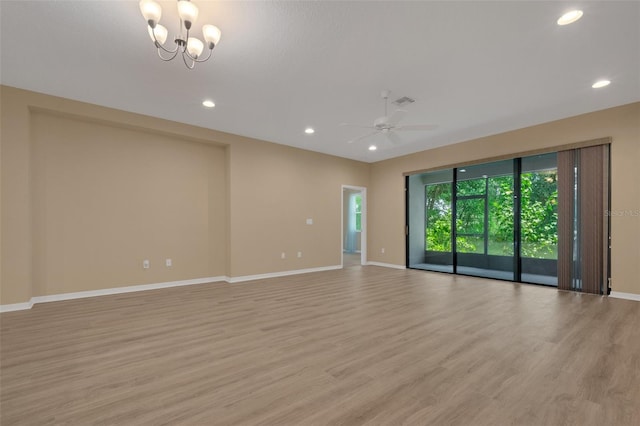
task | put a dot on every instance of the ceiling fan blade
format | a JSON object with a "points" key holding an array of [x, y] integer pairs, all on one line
{"points": [[396, 117], [362, 137], [417, 127], [393, 138], [357, 125]]}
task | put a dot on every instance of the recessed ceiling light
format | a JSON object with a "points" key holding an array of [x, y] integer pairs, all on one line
{"points": [[570, 17], [309, 131], [372, 148], [600, 83], [208, 103]]}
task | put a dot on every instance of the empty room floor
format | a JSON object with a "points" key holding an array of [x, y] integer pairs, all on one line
{"points": [[351, 259], [365, 345]]}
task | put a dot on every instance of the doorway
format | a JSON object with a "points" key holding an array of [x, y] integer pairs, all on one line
{"points": [[353, 247]]}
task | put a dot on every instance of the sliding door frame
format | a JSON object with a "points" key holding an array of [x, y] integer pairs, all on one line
{"points": [[454, 216], [517, 219], [517, 158]]}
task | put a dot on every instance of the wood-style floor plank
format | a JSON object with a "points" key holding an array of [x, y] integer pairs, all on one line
{"points": [[358, 346]]}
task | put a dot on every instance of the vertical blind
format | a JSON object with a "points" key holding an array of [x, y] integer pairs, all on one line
{"points": [[583, 231]]}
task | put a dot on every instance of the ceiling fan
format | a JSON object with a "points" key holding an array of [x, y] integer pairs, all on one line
{"points": [[389, 124]]}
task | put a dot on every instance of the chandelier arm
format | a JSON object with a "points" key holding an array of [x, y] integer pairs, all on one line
{"points": [[194, 59], [174, 54], [160, 46], [203, 60], [186, 52], [184, 59]]}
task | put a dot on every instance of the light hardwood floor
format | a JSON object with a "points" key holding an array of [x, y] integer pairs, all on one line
{"points": [[363, 345]]}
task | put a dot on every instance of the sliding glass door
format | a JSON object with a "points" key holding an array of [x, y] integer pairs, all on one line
{"points": [[539, 219], [429, 244], [495, 220], [484, 237]]}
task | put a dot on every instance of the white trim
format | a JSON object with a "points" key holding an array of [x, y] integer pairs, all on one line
{"points": [[145, 287], [119, 290], [106, 292], [387, 265], [363, 223], [16, 307], [628, 296], [281, 274]]}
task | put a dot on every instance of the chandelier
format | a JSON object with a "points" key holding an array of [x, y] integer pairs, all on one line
{"points": [[190, 48]]}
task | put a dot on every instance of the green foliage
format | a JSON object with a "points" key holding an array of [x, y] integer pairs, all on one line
{"points": [[539, 223], [539, 215], [470, 218], [471, 187], [501, 204], [438, 215]]}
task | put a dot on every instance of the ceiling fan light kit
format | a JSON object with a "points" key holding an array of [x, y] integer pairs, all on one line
{"points": [[389, 124], [190, 48]]}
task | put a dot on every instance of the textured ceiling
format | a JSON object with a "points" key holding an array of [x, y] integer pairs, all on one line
{"points": [[475, 68]]}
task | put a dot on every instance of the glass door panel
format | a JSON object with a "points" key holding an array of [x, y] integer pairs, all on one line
{"points": [[485, 220], [470, 224], [429, 244], [539, 219], [501, 224]]}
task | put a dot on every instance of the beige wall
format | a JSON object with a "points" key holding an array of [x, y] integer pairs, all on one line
{"points": [[622, 124], [89, 192], [274, 189], [105, 198]]}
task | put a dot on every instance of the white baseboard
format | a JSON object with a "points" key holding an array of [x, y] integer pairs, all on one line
{"points": [[281, 274], [145, 287], [16, 307], [105, 292], [387, 265], [628, 296]]}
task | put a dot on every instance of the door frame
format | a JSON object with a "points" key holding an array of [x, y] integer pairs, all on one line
{"points": [[363, 223]]}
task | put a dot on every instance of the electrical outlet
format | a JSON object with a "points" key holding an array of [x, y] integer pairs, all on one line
{"points": [[310, 221], [283, 255], [299, 254], [382, 250], [146, 264], [168, 262]]}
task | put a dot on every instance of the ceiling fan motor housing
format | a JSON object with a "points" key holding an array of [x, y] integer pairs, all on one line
{"points": [[381, 123]]}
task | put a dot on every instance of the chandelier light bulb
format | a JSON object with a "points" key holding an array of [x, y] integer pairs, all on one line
{"points": [[160, 32], [211, 35], [188, 12], [151, 12], [194, 47]]}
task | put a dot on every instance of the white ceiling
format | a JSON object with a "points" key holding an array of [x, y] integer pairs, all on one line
{"points": [[475, 68]]}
